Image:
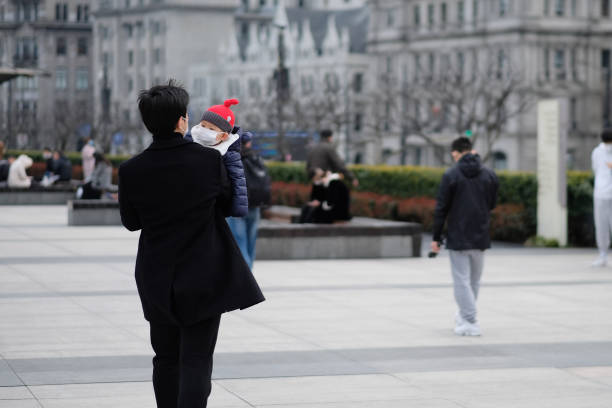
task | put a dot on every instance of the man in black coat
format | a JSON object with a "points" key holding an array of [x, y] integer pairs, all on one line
{"points": [[188, 269], [468, 193]]}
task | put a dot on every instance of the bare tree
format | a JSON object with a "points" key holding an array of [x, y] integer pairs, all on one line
{"points": [[452, 102]]}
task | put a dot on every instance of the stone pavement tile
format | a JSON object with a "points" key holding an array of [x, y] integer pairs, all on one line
{"points": [[14, 393], [323, 389], [401, 403], [601, 375], [118, 395], [504, 384], [597, 400], [22, 403], [31, 250], [7, 376], [91, 247]]}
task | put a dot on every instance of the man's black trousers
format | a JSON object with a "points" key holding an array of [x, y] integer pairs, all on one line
{"points": [[183, 363]]}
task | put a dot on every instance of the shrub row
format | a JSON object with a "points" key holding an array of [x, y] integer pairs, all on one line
{"points": [[408, 193], [74, 157]]}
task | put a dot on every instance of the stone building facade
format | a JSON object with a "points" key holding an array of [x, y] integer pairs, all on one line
{"points": [[560, 48], [140, 43], [327, 67], [55, 37]]}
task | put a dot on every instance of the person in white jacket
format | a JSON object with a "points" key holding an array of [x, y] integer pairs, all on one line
{"points": [[601, 160], [18, 177]]}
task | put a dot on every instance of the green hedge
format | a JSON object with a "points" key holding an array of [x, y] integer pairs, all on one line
{"points": [[74, 157], [519, 188]]}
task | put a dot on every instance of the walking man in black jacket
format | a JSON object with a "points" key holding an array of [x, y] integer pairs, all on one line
{"points": [[468, 193], [188, 269]]}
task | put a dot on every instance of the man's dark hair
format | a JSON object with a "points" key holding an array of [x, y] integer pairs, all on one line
{"points": [[47, 149], [606, 135], [162, 106], [461, 145], [326, 134]]}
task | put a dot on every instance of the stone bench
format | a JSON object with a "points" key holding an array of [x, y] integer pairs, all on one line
{"points": [[93, 212], [37, 195], [359, 238], [278, 238]]}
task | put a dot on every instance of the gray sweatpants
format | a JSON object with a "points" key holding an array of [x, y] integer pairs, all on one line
{"points": [[603, 224], [466, 267]]}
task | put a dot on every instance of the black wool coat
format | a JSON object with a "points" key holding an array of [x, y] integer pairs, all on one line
{"points": [[188, 266]]}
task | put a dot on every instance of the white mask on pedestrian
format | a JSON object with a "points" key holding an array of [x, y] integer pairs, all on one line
{"points": [[204, 136]]}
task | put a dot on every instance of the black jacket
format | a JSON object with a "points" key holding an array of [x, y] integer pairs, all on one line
{"points": [[188, 267], [63, 168], [468, 193]]}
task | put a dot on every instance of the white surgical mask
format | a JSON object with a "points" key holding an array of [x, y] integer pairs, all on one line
{"points": [[204, 136]]}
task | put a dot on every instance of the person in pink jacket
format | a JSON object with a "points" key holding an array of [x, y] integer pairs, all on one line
{"points": [[89, 162]]}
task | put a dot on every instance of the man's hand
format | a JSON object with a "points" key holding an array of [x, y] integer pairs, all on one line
{"points": [[609, 164], [435, 247], [314, 203], [355, 183]]}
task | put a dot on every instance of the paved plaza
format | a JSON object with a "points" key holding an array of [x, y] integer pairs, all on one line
{"points": [[332, 334]]}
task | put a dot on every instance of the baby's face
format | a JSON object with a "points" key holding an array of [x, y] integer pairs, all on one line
{"points": [[221, 135]]}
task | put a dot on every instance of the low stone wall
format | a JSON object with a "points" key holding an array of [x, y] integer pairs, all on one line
{"points": [[93, 212], [280, 239], [54, 195], [359, 238]]}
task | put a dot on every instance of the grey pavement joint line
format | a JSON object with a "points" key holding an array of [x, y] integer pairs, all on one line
{"points": [[322, 288], [324, 362], [234, 394], [27, 387]]}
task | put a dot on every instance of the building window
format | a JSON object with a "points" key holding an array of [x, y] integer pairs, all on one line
{"points": [[503, 7], [129, 30], [605, 62], [461, 12], [546, 7], [443, 15], [475, 11], [573, 113], [560, 8], [430, 15], [82, 79], [574, 64], [130, 84], [82, 48], [605, 8], [500, 161], [574, 8], [390, 18], [254, 88], [460, 65], [157, 56], [547, 64], [358, 83], [389, 64], [130, 58], [199, 87], [432, 66], [61, 78], [61, 46], [61, 12], [417, 16], [358, 122], [501, 63], [560, 64]]}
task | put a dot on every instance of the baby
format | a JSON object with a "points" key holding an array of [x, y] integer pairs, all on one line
{"points": [[216, 131]]}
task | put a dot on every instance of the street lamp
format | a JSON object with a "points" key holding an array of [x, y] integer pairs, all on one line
{"points": [[281, 75]]}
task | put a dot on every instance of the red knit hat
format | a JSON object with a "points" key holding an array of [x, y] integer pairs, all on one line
{"points": [[221, 115]]}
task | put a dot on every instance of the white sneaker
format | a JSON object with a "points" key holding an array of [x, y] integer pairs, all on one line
{"points": [[458, 319], [600, 262], [468, 329]]}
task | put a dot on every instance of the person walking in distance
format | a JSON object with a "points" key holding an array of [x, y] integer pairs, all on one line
{"points": [[467, 194], [601, 160], [189, 269]]}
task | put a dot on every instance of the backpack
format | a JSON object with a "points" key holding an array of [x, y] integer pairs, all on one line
{"points": [[258, 181]]}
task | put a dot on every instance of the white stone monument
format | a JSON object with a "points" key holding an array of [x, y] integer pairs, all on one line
{"points": [[552, 172]]}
